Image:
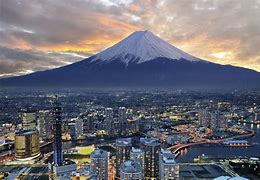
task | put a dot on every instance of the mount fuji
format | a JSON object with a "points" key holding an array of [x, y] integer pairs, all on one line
{"points": [[141, 60]]}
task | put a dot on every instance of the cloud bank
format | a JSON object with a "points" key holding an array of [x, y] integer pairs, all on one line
{"points": [[38, 35]]}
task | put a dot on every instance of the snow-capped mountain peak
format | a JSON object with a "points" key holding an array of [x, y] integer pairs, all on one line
{"points": [[142, 46]]}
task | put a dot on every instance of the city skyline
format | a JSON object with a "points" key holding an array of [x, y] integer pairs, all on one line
{"points": [[130, 89], [43, 35], [129, 135]]}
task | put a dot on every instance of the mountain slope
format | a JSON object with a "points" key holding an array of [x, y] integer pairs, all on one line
{"points": [[145, 46], [142, 60]]}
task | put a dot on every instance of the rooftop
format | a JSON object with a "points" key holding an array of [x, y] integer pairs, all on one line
{"points": [[124, 141], [149, 141], [131, 166], [25, 132], [99, 153], [135, 150]]}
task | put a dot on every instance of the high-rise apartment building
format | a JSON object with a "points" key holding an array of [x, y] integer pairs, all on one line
{"points": [[44, 124], [78, 127], [28, 117], [99, 164], [123, 148], [151, 149], [137, 155], [169, 169], [131, 170]]}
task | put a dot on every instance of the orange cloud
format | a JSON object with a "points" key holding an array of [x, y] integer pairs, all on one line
{"points": [[112, 23], [134, 8], [91, 43]]}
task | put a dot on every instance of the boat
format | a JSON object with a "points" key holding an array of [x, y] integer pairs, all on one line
{"points": [[237, 143]]}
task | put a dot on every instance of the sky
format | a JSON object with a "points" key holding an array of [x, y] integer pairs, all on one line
{"points": [[43, 34]]}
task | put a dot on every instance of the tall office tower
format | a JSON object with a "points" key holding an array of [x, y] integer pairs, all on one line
{"points": [[117, 126], [133, 126], [109, 115], [88, 123], [65, 125], [221, 120], [28, 117], [122, 120], [123, 147], [99, 164], [99, 122], [217, 120], [137, 155], [78, 127], [223, 123], [169, 169], [57, 125], [151, 149], [59, 168], [27, 146], [214, 120], [131, 170], [72, 131], [204, 117], [44, 124]]}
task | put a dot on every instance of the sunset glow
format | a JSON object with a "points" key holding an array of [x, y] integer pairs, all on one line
{"points": [[218, 31]]}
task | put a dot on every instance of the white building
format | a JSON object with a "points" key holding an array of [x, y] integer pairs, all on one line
{"points": [[168, 169], [99, 164], [28, 118], [137, 155], [44, 124], [212, 119], [78, 127], [109, 117], [131, 170]]}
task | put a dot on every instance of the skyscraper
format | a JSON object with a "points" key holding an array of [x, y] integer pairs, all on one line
{"points": [[27, 146], [204, 117], [151, 149], [138, 156], [99, 164], [218, 120], [28, 117], [57, 144], [123, 147], [212, 119], [169, 169], [131, 170], [44, 124], [59, 168], [72, 131], [78, 127], [109, 120], [122, 120], [88, 123]]}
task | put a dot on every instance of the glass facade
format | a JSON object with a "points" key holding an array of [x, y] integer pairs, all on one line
{"points": [[57, 144], [27, 144]]}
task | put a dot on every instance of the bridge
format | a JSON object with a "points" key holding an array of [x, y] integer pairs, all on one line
{"points": [[179, 147]]}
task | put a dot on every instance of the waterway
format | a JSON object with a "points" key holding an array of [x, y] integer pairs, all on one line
{"points": [[220, 151]]}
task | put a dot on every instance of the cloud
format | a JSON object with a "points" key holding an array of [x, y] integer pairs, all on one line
{"points": [[17, 61], [208, 27], [225, 32], [60, 23]]}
